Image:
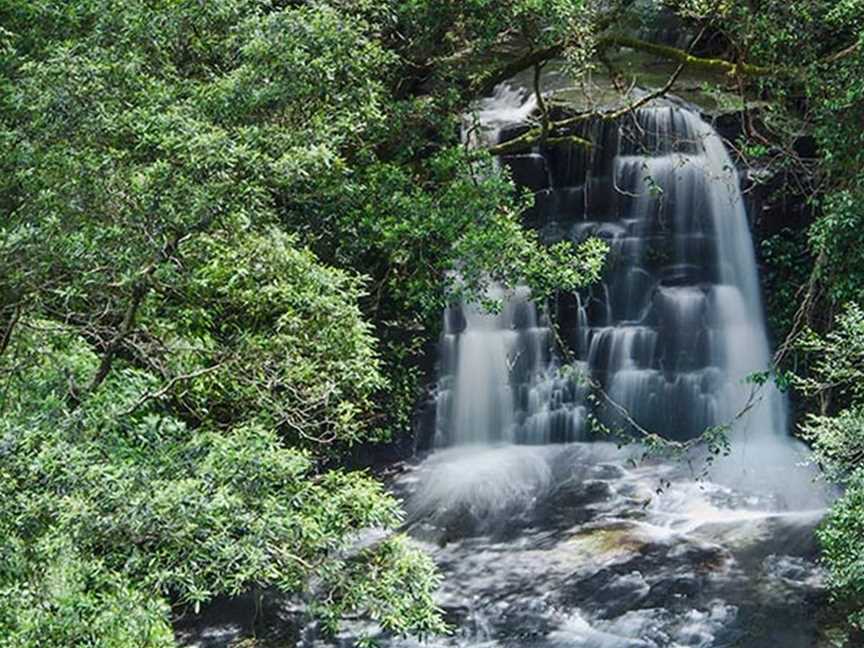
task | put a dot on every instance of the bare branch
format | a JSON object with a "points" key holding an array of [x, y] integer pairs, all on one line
{"points": [[169, 385], [536, 135], [842, 53], [138, 293], [10, 326], [688, 60]]}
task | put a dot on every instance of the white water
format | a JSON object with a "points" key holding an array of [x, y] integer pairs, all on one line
{"points": [[547, 544], [550, 537], [673, 331]]}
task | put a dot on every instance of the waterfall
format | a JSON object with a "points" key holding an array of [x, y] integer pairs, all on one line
{"points": [[677, 323], [499, 381], [549, 534]]}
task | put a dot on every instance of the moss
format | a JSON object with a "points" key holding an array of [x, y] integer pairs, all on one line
{"points": [[681, 56], [618, 539]]}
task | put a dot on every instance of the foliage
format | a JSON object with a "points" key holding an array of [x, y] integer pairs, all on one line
{"points": [[367, 580], [290, 346], [817, 46], [787, 268], [308, 117], [54, 597], [838, 236], [840, 354], [838, 443], [227, 232], [185, 515], [840, 537]]}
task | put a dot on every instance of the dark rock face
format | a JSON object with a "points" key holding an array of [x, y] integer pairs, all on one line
{"points": [[528, 170]]}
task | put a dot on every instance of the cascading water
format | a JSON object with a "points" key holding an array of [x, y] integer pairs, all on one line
{"points": [[497, 373], [551, 537], [676, 326]]}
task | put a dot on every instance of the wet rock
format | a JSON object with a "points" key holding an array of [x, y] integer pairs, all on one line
{"points": [[526, 620], [606, 471], [617, 540], [621, 593], [528, 170], [668, 589]]}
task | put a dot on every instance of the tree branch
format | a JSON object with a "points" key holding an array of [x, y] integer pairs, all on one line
{"points": [[688, 60], [139, 291], [10, 326], [167, 387], [536, 135], [842, 53], [535, 57], [541, 104], [487, 83]]}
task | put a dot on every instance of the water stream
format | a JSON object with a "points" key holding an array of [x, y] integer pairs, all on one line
{"points": [[550, 534]]}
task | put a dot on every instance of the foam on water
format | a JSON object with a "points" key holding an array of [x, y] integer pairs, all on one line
{"points": [[584, 544], [485, 482], [673, 331]]}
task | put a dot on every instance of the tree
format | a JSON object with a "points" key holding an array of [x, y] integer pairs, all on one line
{"points": [[227, 230], [838, 440]]}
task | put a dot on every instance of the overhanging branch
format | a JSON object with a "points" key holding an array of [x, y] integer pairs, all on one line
{"points": [[536, 57], [532, 58], [540, 134], [689, 60]]}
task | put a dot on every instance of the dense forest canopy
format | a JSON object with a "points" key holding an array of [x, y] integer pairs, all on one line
{"points": [[228, 230]]}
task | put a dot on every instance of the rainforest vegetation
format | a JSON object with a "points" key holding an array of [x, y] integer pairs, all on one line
{"points": [[228, 229]]}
